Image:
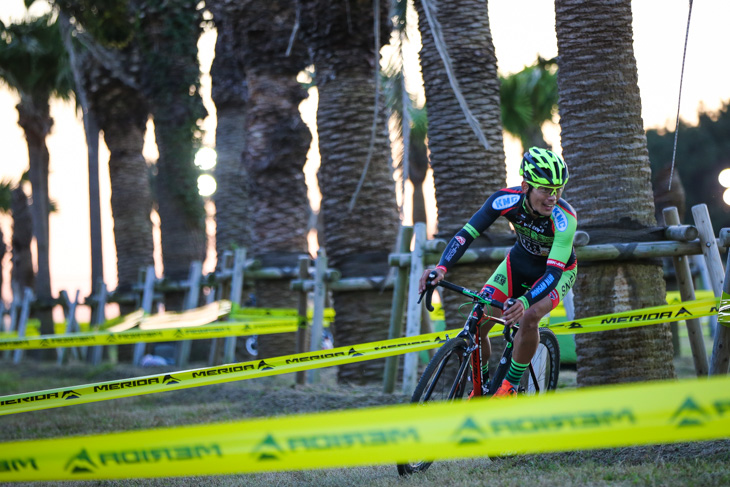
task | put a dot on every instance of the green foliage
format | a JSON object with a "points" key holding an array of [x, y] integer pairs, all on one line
{"points": [[702, 152], [529, 98], [33, 59], [6, 189], [167, 34], [108, 21]]}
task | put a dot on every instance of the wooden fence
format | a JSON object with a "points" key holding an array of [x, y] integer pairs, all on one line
{"points": [[674, 240]]}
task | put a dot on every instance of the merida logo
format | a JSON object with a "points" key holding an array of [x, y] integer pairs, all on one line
{"points": [[353, 353], [469, 433], [682, 311], [268, 449], [70, 394], [168, 379], [112, 338], [179, 334], [44, 343], [689, 414], [80, 463], [265, 366]]}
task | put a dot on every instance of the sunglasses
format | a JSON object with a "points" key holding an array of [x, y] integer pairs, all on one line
{"points": [[547, 190]]}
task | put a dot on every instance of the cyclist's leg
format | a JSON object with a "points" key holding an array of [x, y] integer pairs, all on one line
{"points": [[528, 338], [499, 287]]}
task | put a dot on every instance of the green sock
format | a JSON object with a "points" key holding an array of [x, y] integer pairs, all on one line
{"points": [[515, 372]]}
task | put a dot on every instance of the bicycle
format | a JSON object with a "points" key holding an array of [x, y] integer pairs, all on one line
{"points": [[447, 377]]}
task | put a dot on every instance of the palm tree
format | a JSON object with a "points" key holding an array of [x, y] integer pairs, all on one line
{"points": [[265, 187], [170, 79], [6, 196], [230, 94], [122, 115], [465, 171], [33, 61], [107, 61], [276, 149], [22, 274], [604, 143], [91, 130], [529, 99], [341, 37]]}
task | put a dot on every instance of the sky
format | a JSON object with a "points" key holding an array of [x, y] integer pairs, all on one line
{"points": [[521, 30]]}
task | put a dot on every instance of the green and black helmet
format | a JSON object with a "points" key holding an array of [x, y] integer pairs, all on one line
{"points": [[541, 167]]}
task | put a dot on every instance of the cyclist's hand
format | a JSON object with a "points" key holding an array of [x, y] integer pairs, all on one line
{"points": [[424, 278], [514, 313]]}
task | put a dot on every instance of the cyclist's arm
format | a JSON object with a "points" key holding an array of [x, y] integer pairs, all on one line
{"points": [[564, 223], [479, 222]]}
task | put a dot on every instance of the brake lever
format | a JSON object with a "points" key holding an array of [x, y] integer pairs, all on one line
{"points": [[428, 292], [507, 329]]}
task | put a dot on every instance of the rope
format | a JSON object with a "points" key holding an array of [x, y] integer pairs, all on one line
{"points": [[679, 101], [376, 27]]}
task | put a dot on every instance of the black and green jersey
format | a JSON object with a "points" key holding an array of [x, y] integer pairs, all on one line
{"points": [[544, 247]]}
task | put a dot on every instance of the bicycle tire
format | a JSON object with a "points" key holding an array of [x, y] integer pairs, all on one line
{"points": [[545, 363], [441, 382]]}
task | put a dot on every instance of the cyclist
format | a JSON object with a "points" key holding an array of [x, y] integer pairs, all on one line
{"points": [[542, 259]]}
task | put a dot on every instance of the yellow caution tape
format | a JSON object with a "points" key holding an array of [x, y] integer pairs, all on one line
{"points": [[293, 363], [640, 317], [102, 391], [600, 417], [329, 313], [215, 330]]}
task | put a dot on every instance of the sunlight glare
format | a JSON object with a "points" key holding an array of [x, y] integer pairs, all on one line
{"points": [[206, 185], [724, 178], [206, 158]]}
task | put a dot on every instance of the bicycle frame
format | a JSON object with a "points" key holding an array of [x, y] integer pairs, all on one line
{"points": [[471, 332]]}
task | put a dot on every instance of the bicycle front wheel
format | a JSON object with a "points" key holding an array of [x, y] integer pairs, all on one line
{"points": [[545, 366], [445, 379]]}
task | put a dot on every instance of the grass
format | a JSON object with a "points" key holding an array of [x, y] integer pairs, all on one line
{"points": [[687, 464]]}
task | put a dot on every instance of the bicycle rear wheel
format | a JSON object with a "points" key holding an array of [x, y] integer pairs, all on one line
{"points": [[545, 364], [445, 379]]}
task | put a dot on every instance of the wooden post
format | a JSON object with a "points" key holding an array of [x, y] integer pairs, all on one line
{"points": [[148, 295], [72, 326], [239, 265], [721, 347], [215, 354], [99, 317], [710, 252], [303, 273], [23, 320], [709, 247], [320, 294], [182, 348], [396, 310], [687, 291], [413, 317], [15, 306]]}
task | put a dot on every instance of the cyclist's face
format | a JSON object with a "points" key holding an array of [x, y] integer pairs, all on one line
{"points": [[542, 199]]}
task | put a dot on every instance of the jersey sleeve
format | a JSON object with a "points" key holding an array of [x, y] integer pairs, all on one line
{"points": [[495, 206], [565, 224]]}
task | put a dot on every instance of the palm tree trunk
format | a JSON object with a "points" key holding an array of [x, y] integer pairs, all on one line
{"points": [[22, 272], [36, 121], [465, 172], [274, 158], [230, 94], [357, 242], [603, 141]]}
